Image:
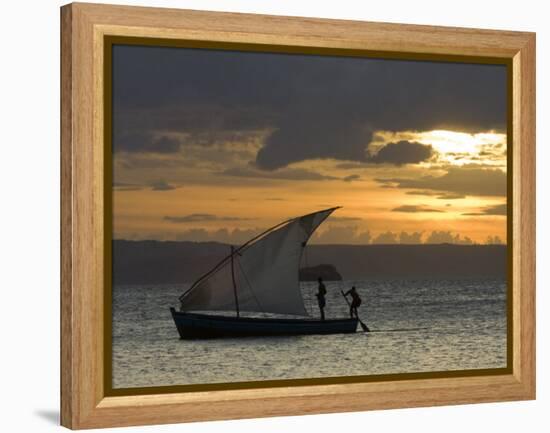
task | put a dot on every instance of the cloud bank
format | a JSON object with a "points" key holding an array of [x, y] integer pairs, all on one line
{"points": [[456, 181], [499, 209], [315, 106], [414, 209]]}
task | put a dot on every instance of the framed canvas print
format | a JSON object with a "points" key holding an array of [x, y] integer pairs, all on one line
{"points": [[271, 216]]}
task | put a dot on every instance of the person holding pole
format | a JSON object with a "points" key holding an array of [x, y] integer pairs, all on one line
{"points": [[355, 301]]}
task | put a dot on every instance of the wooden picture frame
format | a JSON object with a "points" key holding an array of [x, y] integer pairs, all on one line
{"points": [[85, 400]]}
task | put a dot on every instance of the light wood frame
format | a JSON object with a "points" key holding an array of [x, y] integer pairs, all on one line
{"points": [[83, 400]]}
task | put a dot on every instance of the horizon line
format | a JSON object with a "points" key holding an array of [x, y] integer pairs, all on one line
{"points": [[475, 244]]}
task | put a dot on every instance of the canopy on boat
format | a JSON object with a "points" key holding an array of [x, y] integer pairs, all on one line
{"points": [[264, 271]]}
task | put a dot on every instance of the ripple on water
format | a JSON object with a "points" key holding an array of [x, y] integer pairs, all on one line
{"points": [[422, 325]]}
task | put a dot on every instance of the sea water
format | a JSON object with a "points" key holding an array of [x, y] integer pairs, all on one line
{"points": [[418, 325]]}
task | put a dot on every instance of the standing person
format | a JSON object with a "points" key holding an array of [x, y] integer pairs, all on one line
{"points": [[321, 292], [355, 301]]}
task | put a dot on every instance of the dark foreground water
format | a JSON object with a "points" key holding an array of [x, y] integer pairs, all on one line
{"points": [[419, 326]]}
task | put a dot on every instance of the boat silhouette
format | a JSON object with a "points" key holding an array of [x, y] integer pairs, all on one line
{"points": [[260, 278]]}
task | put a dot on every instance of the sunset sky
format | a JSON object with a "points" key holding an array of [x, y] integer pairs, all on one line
{"points": [[218, 145]]}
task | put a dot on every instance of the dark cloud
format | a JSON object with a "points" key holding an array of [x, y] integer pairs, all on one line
{"points": [[350, 165], [296, 142], [428, 193], [201, 217], [499, 209], [414, 209], [123, 186], [402, 152], [438, 195], [462, 181], [451, 196], [351, 178], [284, 173], [161, 185], [145, 142], [138, 161], [316, 106]]}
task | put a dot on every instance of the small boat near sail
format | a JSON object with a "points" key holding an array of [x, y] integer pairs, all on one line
{"points": [[261, 277]]}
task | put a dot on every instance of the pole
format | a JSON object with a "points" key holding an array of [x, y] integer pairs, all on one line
{"points": [[233, 278]]}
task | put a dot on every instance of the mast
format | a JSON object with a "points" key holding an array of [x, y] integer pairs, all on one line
{"points": [[233, 278]]}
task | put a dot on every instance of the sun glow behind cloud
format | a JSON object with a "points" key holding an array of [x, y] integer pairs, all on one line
{"points": [[452, 147]]}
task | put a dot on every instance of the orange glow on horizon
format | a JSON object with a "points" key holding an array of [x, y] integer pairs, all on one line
{"points": [[201, 200]]}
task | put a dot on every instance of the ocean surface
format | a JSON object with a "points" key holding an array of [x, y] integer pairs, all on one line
{"points": [[419, 325]]}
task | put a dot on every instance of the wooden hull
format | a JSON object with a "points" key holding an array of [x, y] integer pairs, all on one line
{"points": [[193, 325]]}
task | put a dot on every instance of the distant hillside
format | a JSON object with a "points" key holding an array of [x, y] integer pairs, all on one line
{"points": [[156, 262], [326, 272]]}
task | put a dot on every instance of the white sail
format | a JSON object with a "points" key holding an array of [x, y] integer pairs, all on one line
{"points": [[265, 271]]}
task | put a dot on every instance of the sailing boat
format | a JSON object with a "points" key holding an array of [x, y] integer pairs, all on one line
{"points": [[261, 276]]}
